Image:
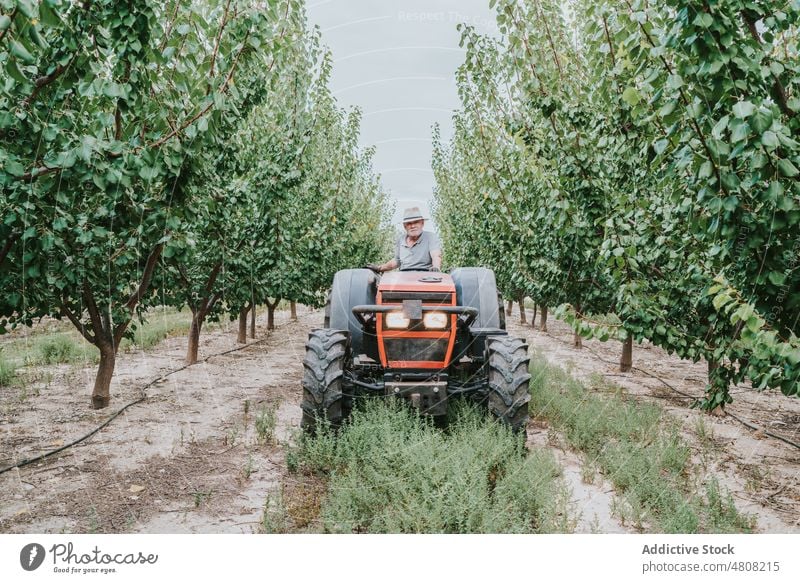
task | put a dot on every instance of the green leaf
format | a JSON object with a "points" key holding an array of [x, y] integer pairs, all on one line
{"points": [[730, 182], [631, 96], [740, 132], [743, 109], [761, 121], [15, 73], [14, 168], [703, 20], [776, 277], [48, 16], [706, 170], [770, 140], [21, 53], [786, 168]]}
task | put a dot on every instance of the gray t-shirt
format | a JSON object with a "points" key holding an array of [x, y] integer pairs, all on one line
{"points": [[417, 256]]}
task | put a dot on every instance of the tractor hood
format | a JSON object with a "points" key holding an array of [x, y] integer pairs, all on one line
{"points": [[417, 281]]}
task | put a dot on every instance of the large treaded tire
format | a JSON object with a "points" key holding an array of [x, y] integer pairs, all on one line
{"points": [[507, 361], [327, 356]]}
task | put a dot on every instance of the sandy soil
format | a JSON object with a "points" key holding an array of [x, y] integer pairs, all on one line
{"points": [[189, 458], [186, 459]]}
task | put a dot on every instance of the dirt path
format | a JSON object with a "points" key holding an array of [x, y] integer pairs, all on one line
{"points": [[761, 472], [187, 459], [190, 458]]}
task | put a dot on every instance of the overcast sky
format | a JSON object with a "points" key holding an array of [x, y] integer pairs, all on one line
{"points": [[396, 60]]}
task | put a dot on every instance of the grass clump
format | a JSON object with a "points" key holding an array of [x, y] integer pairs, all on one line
{"points": [[266, 421], [391, 471], [8, 371], [161, 323], [61, 349], [638, 448]]}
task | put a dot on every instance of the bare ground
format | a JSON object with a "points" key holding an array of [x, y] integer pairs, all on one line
{"points": [[189, 458]]}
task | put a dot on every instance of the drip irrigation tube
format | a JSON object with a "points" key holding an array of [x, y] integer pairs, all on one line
{"points": [[143, 396], [665, 383]]}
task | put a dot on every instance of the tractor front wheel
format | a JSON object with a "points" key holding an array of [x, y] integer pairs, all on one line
{"points": [[327, 355], [508, 378]]}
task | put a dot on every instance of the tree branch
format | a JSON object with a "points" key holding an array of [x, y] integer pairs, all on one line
{"points": [[12, 238], [76, 322], [94, 314], [203, 111], [778, 90], [219, 39], [147, 276]]}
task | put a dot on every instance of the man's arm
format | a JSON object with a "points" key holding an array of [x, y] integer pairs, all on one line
{"points": [[436, 258], [389, 265], [380, 268]]}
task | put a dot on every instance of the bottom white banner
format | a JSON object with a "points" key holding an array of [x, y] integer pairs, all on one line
{"points": [[352, 558]]}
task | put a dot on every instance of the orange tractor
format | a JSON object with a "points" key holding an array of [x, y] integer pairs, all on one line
{"points": [[422, 336]]}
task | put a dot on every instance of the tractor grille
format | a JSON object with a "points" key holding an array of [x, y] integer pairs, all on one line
{"points": [[413, 349], [399, 296]]}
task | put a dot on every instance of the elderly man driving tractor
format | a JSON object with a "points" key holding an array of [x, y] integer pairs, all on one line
{"points": [[423, 337], [417, 250]]}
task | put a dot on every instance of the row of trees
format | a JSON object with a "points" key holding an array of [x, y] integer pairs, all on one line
{"points": [[165, 153], [636, 163]]}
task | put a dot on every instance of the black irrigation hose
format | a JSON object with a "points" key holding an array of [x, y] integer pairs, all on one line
{"points": [[743, 422], [28, 461]]}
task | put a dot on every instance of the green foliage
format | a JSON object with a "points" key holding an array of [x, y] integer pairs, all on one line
{"points": [[617, 157], [266, 420], [171, 153], [8, 371], [391, 471], [58, 349]]}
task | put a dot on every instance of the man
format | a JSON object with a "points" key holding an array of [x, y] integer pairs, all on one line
{"points": [[417, 250]]}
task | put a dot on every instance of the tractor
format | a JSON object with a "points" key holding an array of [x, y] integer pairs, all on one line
{"points": [[425, 337]]}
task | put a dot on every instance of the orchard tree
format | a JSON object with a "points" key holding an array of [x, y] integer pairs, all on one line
{"points": [[100, 111]]}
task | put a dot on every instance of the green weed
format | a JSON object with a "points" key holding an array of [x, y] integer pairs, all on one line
{"points": [[159, 324], [391, 471], [638, 448], [8, 371], [61, 348], [275, 518], [265, 425]]}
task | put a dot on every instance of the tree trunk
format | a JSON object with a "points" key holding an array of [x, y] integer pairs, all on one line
{"points": [[626, 362], [101, 395], [543, 325], [577, 340], [253, 321], [271, 313], [533, 319], [194, 337], [293, 308], [522, 317], [241, 338], [712, 366], [510, 307]]}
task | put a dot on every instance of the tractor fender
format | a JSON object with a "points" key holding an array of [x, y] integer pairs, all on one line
{"points": [[476, 287], [351, 287]]}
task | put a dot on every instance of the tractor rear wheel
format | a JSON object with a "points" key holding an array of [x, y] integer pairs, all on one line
{"points": [[508, 378], [327, 356]]}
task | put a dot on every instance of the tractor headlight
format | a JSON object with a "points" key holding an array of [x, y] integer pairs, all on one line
{"points": [[396, 320], [435, 320]]}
